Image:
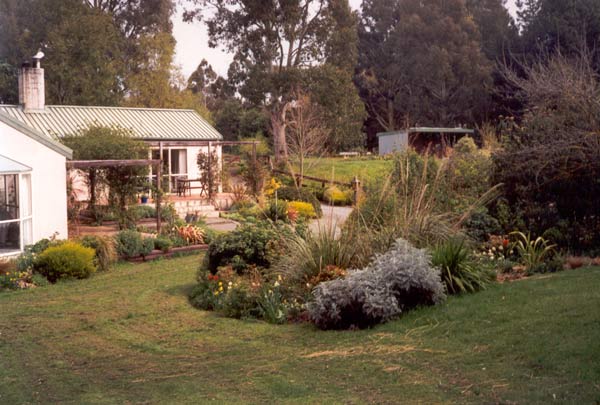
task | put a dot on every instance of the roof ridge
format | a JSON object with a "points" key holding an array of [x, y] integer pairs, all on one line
{"points": [[107, 107]]}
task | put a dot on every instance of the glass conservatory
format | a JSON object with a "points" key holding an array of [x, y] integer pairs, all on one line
{"points": [[16, 228]]}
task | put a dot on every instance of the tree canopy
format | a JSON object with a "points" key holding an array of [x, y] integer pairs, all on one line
{"points": [[421, 65], [279, 47], [558, 25]]}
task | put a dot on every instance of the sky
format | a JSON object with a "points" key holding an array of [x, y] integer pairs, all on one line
{"points": [[192, 44]]}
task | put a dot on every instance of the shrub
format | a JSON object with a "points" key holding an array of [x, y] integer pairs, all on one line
{"points": [[191, 234], [138, 212], [69, 260], [394, 282], [239, 302], [229, 296], [459, 273], [304, 209], [205, 294], [411, 203], [271, 304], [104, 247], [307, 258], [257, 244], [532, 253], [334, 196], [163, 244], [277, 211], [294, 194], [129, 243], [147, 247], [554, 179], [26, 261]]}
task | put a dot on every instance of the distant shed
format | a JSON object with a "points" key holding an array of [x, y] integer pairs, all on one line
{"points": [[420, 138], [390, 142]]}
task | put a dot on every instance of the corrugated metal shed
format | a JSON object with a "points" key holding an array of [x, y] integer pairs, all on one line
{"points": [[145, 123]]}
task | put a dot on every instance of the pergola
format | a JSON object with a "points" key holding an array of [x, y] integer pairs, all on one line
{"points": [[87, 164]]}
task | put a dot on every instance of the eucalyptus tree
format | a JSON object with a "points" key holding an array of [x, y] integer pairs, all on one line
{"points": [[278, 47], [421, 65]]}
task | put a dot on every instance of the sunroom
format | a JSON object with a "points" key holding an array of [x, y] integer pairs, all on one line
{"points": [[16, 219]]}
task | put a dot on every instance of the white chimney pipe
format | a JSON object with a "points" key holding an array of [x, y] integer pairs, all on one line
{"points": [[31, 86]]}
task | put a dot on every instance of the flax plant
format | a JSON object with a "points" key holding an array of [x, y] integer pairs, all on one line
{"points": [[410, 204]]}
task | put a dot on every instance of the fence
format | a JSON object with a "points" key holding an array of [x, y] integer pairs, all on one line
{"points": [[354, 184]]}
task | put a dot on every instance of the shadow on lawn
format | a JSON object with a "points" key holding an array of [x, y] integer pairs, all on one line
{"points": [[183, 289]]}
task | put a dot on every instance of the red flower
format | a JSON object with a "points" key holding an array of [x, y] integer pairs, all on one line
{"points": [[505, 243]]}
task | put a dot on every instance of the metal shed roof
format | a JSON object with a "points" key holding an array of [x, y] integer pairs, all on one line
{"points": [[423, 130], [145, 123]]}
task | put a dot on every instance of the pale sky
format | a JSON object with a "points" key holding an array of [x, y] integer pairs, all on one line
{"points": [[192, 44]]}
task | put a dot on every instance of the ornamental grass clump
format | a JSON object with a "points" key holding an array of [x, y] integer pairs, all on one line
{"points": [[307, 259], [460, 273], [396, 281]]}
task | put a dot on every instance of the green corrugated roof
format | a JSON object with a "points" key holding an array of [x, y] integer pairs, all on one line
{"points": [[47, 140], [145, 123]]}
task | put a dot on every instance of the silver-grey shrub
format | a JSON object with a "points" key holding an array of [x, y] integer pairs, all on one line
{"points": [[394, 282]]}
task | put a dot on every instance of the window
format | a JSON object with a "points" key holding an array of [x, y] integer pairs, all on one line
{"points": [[174, 164], [16, 228]]}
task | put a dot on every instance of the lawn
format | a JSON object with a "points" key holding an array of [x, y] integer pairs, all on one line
{"points": [[344, 170], [130, 336]]}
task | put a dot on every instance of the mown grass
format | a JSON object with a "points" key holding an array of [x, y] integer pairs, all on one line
{"points": [[130, 336], [344, 170]]}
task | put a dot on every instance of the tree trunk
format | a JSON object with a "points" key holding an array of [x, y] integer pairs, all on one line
{"points": [[278, 126]]}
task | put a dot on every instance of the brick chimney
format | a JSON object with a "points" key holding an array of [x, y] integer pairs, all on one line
{"points": [[31, 86]]}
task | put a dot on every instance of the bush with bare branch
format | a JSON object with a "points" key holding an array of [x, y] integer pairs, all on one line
{"points": [[550, 163], [307, 136]]}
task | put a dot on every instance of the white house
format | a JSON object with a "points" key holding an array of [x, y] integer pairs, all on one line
{"points": [[180, 134], [33, 195]]}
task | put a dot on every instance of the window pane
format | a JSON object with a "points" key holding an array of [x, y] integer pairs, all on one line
{"points": [[9, 237], [9, 197], [174, 162], [183, 161]]}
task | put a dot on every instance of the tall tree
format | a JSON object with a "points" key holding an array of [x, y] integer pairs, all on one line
{"points": [[83, 50], [499, 42], [421, 65], [275, 44], [566, 26], [499, 33]]}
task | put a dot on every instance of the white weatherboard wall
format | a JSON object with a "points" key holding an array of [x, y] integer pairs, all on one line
{"points": [[48, 181]]}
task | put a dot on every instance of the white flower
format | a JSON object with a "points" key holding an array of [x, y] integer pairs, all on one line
{"points": [[276, 284]]}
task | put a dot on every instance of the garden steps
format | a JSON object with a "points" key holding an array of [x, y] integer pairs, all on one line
{"points": [[199, 207]]}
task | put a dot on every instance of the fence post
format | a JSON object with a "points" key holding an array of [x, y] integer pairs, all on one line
{"points": [[356, 188]]}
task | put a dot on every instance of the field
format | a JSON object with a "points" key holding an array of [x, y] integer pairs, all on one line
{"points": [[344, 170], [130, 336]]}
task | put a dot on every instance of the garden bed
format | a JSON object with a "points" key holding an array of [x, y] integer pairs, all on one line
{"points": [[155, 254]]}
